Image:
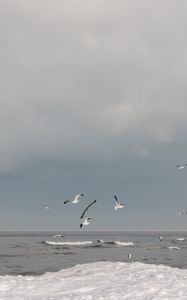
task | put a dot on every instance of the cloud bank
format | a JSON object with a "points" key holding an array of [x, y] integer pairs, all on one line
{"points": [[90, 80]]}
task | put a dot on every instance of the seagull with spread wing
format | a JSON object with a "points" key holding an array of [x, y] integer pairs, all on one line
{"points": [[118, 204], [87, 219], [181, 166], [76, 199], [86, 209]]}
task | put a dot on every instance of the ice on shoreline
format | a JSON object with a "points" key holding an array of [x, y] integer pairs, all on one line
{"points": [[100, 280]]}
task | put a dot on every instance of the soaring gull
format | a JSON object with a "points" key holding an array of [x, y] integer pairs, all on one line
{"points": [[86, 209], [76, 199], [118, 204], [181, 166], [46, 206], [182, 213]]}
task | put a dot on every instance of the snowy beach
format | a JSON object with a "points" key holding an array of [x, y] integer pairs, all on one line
{"points": [[100, 280]]}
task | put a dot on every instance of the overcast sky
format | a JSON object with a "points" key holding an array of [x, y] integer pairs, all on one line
{"points": [[93, 99]]}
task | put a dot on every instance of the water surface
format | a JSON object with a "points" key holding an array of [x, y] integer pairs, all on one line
{"points": [[26, 253]]}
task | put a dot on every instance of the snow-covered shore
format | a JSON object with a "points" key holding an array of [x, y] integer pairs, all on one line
{"points": [[100, 280]]}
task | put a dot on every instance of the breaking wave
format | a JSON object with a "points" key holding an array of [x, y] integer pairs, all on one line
{"points": [[77, 243], [89, 243]]}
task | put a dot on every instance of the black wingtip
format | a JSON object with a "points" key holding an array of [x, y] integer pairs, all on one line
{"points": [[80, 225]]}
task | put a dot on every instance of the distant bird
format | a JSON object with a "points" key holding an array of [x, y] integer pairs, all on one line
{"points": [[46, 206], [181, 166], [76, 199], [85, 222], [129, 255], [160, 238], [100, 241], [182, 213], [86, 209], [118, 204]]}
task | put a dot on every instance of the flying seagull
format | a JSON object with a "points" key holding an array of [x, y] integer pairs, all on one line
{"points": [[46, 206], [182, 213], [118, 204], [76, 199], [85, 222], [86, 209], [181, 166]]}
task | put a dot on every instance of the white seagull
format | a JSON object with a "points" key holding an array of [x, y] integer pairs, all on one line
{"points": [[161, 238], [76, 199], [118, 204], [85, 222], [46, 206], [181, 166], [86, 209]]}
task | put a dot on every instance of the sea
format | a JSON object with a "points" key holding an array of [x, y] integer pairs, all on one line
{"points": [[35, 253]]}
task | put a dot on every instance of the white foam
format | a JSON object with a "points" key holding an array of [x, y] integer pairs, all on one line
{"points": [[101, 280], [77, 243], [173, 248], [124, 243], [180, 239], [58, 235]]}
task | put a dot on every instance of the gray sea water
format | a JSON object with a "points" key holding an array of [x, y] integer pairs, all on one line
{"points": [[26, 253]]}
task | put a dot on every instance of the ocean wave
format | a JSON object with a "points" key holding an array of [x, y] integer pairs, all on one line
{"points": [[88, 243], [58, 235], [97, 246], [100, 241], [124, 243], [173, 248], [77, 243], [98, 281]]}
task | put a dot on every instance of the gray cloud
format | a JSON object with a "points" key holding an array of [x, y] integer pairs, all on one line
{"points": [[90, 79]]}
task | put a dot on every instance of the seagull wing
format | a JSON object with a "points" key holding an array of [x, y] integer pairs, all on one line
{"points": [[67, 201], [87, 208], [116, 199], [77, 197]]}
